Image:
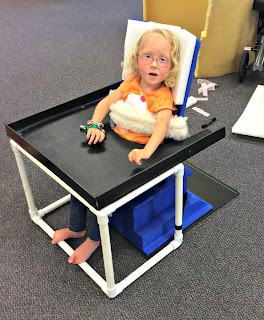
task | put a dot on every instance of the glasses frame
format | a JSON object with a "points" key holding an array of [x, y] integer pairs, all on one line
{"points": [[156, 59]]}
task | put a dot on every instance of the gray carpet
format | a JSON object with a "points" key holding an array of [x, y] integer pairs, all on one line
{"points": [[54, 51]]}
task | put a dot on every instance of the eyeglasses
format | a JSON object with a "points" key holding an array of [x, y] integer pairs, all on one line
{"points": [[161, 61]]}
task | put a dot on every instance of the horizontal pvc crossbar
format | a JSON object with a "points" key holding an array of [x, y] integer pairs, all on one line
{"points": [[42, 212], [150, 263], [69, 250]]}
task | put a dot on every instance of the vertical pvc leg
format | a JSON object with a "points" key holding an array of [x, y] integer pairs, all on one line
{"points": [[179, 202], [25, 182], [107, 256]]}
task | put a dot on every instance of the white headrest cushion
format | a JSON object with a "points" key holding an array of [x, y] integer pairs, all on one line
{"points": [[187, 42]]}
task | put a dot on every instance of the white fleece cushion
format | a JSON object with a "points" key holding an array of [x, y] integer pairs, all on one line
{"points": [[143, 121], [187, 42], [251, 122]]}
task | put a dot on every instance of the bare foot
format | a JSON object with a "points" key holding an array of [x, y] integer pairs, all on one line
{"points": [[84, 251], [66, 233]]}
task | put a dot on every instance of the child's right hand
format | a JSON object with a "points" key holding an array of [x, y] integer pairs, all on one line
{"points": [[94, 135]]}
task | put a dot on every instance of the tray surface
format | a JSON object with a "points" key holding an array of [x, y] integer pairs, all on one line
{"points": [[100, 173]]}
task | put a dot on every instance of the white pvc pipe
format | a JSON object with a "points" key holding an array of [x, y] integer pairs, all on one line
{"points": [[25, 182], [108, 261], [149, 264], [69, 250], [54, 205], [179, 200]]}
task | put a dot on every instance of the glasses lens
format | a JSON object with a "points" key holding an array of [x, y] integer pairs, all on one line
{"points": [[147, 58], [162, 61]]}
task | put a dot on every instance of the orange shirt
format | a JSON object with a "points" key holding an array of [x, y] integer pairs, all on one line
{"points": [[155, 101]]}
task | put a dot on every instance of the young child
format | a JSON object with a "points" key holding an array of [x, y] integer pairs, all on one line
{"points": [[151, 73]]}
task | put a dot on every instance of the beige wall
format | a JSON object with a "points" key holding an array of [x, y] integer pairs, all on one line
{"points": [[224, 26], [188, 14]]}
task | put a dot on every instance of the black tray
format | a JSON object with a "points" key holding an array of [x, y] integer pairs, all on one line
{"points": [[100, 173]]}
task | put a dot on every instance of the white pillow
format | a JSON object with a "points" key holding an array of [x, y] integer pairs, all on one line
{"points": [[251, 122]]}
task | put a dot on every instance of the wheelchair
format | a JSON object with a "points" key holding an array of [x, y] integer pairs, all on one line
{"points": [[258, 64]]}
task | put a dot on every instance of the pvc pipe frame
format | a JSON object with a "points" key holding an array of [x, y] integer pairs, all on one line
{"points": [[108, 286]]}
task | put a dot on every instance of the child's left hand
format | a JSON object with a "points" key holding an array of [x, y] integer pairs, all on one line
{"points": [[137, 155]]}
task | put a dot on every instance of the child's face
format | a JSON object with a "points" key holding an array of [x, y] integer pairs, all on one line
{"points": [[152, 74]]}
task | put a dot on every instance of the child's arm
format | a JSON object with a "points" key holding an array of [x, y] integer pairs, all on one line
{"points": [[102, 109], [158, 135]]}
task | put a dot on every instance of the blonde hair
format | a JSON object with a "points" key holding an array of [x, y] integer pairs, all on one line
{"points": [[132, 71]]}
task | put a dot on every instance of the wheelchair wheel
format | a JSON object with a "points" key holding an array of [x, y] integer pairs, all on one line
{"points": [[243, 67]]}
